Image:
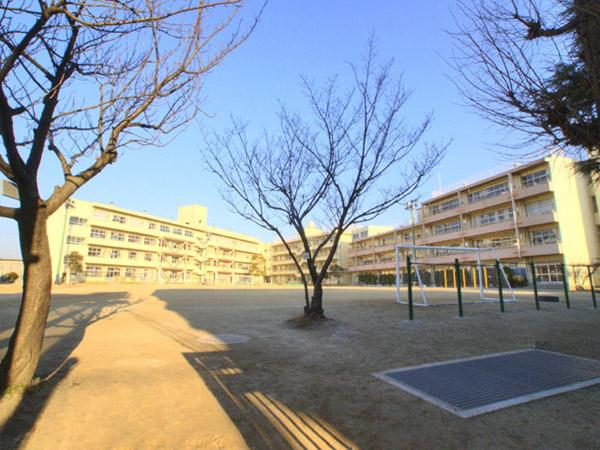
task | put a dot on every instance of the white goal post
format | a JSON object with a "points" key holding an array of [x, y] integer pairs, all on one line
{"points": [[457, 250]]}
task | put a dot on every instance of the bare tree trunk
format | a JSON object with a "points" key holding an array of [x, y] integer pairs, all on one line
{"points": [[24, 349], [316, 303]]}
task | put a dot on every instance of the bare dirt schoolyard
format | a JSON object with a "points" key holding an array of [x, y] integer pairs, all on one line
{"points": [[139, 366]]}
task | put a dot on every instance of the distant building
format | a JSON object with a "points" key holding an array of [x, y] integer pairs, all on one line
{"points": [[541, 212], [125, 245], [283, 269]]}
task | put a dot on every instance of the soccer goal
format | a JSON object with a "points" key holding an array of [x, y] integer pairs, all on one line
{"points": [[434, 267]]}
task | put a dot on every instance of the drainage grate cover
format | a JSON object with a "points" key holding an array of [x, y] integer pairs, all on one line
{"points": [[473, 386]]}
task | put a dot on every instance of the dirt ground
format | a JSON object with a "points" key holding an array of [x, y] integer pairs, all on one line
{"points": [[130, 366]]}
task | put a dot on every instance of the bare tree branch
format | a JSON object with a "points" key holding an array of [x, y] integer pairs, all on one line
{"points": [[534, 69], [333, 168]]}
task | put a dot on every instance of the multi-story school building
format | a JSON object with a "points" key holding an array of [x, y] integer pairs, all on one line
{"points": [[543, 212], [282, 266], [125, 245]]}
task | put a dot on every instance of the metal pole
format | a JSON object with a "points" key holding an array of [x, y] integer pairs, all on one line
{"points": [[410, 296], [397, 274], [499, 277], [565, 285], [535, 288], [592, 287], [458, 291]]}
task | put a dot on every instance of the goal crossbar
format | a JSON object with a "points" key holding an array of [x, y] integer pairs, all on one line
{"points": [[415, 264]]}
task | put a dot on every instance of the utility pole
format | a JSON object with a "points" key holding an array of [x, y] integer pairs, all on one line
{"points": [[411, 205]]}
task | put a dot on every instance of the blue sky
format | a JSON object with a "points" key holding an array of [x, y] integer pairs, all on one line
{"points": [[315, 39]]}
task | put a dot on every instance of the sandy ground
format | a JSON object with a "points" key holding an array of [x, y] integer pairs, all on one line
{"points": [[128, 366]]}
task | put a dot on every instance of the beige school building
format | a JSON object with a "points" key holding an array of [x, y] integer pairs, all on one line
{"points": [[541, 212]]}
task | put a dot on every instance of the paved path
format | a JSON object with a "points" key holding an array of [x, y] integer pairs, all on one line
{"points": [[145, 394]]}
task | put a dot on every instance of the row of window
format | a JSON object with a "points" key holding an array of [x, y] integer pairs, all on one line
{"points": [[445, 206], [538, 177], [121, 219], [542, 237], [490, 192], [117, 272], [445, 228], [539, 207], [116, 253], [499, 216], [74, 220], [99, 233], [497, 242], [531, 179]]}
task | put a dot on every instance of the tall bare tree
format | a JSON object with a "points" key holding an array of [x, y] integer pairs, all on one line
{"points": [[83, 80], [534, 66], [351, 161]]}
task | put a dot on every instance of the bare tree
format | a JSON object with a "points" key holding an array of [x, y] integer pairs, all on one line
{"points": [[534, 67], [84, 80], [349, 163]]}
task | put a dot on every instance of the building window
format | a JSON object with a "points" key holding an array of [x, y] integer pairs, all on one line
{"points": [[93, 271], [445, 206], [76, 240], [133, 238], [531, 179], [549, 273], [113, 272], [74, 220], [487, 218], [542, 237], [503, 242], [188, 233], [177, 231], [132, 255], [119, 219], [148, 241], [539, 207], [446, 228], [165, 229], [151, 225], [97, 233], [114, 254], [505, 215], [129, 273], [148, 257], [94, 251], [493, 191], [116, 236]]}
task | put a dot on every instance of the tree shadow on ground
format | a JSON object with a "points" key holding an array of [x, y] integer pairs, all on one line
{"points": [[263, 419], [270, 410], [70, 315]]}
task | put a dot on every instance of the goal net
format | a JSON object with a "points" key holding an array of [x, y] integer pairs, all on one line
{"points": [[437, 271]]}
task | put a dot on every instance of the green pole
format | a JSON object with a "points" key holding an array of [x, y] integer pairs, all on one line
{"points": [[535, 289], [592, 287], [458, 289], [500, 293], [411, 315], [565, 285]]}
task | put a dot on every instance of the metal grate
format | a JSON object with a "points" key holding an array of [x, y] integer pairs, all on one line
{"points": [[472, 386]]}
